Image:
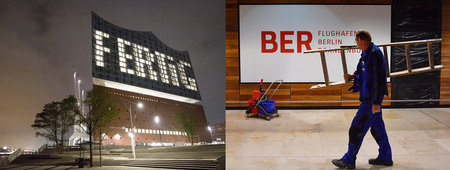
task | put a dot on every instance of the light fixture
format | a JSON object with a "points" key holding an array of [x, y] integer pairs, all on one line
{"points": [[157, 119]]}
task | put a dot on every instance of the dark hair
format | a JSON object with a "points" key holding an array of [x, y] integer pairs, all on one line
{"points": [[364, 35]]}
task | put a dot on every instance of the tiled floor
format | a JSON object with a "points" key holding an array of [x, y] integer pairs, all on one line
{"points": [[310, 139]]}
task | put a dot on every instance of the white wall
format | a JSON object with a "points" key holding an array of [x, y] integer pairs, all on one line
{"points": [[316, 19]]}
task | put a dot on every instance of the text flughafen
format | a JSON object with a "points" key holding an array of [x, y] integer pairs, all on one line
{"points": [[143, 60]]}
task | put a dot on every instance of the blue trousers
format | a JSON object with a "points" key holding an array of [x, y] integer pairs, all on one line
{"points": [[361, 123]]}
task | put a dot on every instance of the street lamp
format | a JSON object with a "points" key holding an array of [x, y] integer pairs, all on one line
{"points": [[157, 122], [210, 132], [81, 100], [131, 133], [78, 92], [75, 81]]}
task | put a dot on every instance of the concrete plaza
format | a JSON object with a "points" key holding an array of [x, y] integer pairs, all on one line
{"points": [[179, 157], [310, 139]]}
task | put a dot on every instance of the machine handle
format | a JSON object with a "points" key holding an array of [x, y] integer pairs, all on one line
{"points": [[260, 85]]}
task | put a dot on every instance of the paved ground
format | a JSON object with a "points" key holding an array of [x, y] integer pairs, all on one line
{"points": [[310, 139], [43, 167], [186, 157]]}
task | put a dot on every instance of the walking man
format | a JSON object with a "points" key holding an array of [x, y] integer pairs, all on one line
{"points": [[370, 81]]}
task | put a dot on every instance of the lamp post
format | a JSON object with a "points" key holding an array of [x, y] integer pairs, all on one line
{"points": [[210, 132], [131, 133], [75, 81], [82, 99], [157, 122], [78, 92]]}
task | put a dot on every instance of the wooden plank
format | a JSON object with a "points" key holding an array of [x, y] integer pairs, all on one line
{"points": [[386, 60], [232, 19], [282, 94], [231, 67], [381, 2], [408, 58], [232, 62], [231, 44], [232, 83], [430, 55], [324, 68], [349, 95], [331, 84], [231, 2], [415, 71], [445, 53], [231, 40], [344, 66], [302, 92]]}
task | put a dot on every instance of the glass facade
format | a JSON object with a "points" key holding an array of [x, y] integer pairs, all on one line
{"points": [[140, 59]]}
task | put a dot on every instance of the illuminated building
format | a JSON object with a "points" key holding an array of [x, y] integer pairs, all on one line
{"points": [[218, 132], [137, 67]]}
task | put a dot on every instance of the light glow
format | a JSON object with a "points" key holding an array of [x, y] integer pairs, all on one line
{"points": [[140, 105], [157, 119], [140, 90]]}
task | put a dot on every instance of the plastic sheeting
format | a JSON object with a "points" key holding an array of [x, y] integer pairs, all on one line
{"points": [[415, 20]]}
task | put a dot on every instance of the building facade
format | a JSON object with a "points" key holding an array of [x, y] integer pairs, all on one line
{"points": [[218, 132], [139, 69]]}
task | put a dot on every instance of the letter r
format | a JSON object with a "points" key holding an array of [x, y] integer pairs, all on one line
{"points": [[300, 42]]}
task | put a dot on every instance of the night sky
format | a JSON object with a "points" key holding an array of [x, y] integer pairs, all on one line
{"points": [[40, 41]]}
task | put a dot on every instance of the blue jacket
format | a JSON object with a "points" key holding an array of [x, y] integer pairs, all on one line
{"points": [[370, 76]]}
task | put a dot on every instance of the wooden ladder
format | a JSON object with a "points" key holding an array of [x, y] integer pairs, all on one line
{"points": [[408, 70]]}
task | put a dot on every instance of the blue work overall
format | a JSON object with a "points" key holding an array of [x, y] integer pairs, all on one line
{"points": [[370, 81]]}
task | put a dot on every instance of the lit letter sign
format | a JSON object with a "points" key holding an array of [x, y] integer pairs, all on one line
{"points": [[140, 61]]}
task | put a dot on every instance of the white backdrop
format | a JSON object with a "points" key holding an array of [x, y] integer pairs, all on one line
{"points": [[333, 24]]}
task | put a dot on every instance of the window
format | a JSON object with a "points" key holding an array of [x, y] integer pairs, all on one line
{"points": [[98, 35]]}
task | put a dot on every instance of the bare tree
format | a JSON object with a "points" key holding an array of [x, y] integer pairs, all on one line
{"points": [[68, 110], [187, 122], [106, 110], [101, 110], [48, 121]]}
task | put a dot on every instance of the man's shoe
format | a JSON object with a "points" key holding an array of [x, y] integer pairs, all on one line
{"points": [[380, 162], [342, 164]]}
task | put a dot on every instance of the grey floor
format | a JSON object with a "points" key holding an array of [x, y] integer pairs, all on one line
{"points": [[310, 139]]}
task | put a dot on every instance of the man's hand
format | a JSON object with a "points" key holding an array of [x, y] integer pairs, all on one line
{"points": [[350, 76], [375, 108]]}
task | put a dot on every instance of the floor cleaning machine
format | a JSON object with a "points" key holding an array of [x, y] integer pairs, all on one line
{"points": [[262, 106]]}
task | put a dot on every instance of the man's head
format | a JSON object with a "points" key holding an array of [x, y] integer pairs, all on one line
{"points": [[363, 39]]}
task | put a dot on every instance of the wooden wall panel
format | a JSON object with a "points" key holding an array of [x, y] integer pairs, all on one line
{"points": [[231, 54], [282, 94], [445, 52], [293, 92], [348, 95], [314, 2], [302, 92], [232, 45]]}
